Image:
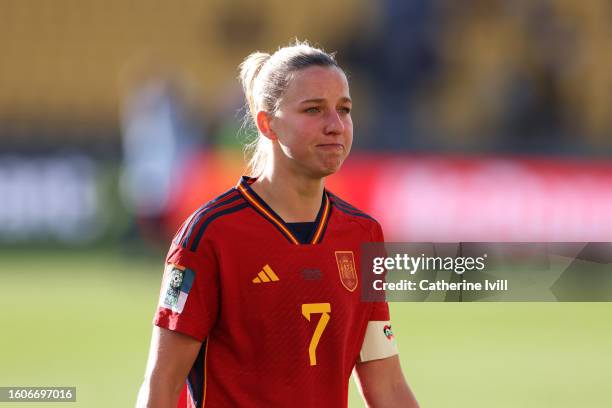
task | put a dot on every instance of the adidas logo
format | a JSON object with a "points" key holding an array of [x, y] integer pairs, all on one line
{"points": [[266, 275]]}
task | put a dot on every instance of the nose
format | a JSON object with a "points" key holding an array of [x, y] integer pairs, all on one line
{"points": [[334, 124]]}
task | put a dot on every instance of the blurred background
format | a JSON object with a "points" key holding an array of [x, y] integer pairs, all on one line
{"points": [[480, 121]]}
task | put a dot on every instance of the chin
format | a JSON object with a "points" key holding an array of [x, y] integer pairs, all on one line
{"points": [[325, 167], [322, 171], [328, 172], [330, 169]]}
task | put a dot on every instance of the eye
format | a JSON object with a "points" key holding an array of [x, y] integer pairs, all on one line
{"points": [[313, 109], [345, 109]]}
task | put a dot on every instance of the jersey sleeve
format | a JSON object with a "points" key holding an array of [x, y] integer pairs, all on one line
{"points": [[189, 295], [379, 341]]}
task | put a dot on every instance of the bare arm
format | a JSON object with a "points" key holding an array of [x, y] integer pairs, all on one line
{"points": [[382, 384], [171, 356]]}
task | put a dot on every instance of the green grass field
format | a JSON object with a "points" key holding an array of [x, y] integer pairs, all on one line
{"points": [[83, 319]]}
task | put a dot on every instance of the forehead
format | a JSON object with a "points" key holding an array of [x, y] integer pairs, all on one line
{"points": [[317, 83]]}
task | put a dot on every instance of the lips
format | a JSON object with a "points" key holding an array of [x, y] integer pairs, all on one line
{"points": [[331, 146]]}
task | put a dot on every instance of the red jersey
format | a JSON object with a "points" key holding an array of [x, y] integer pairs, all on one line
{"points": [[281, 321]]}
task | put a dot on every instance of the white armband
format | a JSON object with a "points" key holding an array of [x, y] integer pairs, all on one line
{"points": [[378, 342]]}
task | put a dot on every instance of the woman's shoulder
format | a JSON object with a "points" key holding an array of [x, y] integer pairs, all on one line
{"points": [[196, 224], [350, 210], [354, 215]]}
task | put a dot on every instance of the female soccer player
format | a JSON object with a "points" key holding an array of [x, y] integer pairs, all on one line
{"points": [[260, 303]]}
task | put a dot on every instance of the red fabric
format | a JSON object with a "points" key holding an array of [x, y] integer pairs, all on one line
{"points": [[257, 335], [182, 402]]}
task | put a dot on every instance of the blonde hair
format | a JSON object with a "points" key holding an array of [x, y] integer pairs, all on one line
{"points": [[265, 78]]}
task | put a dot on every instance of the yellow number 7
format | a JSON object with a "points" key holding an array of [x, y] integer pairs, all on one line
{"points": [[307, 310]]}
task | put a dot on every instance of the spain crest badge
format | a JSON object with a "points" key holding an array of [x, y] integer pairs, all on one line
{"points": [[347, 270]]}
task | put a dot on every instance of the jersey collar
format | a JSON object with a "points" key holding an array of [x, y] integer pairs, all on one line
{"points": [[244, 186]]}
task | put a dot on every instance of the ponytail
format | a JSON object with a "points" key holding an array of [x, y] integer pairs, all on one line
{"points": [[249, 68]]}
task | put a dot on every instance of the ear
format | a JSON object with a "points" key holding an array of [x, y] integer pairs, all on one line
{"points": [[264, 124]]}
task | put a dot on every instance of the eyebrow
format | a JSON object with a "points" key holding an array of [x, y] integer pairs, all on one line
{"points": [[320, 100]]}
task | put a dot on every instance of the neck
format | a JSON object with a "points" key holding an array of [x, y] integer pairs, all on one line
{"points": [[295, 197]]}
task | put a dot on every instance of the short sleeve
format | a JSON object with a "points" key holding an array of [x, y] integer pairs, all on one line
{"points": [[379, 341], [380, 308], [380, 311], [189, 295]]}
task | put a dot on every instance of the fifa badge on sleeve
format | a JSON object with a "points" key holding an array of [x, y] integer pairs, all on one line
{"points": [[177, 284]]}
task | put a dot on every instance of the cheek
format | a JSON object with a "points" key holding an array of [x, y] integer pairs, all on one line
{"points": [[297, 140], [348, 126], [303, 134]]}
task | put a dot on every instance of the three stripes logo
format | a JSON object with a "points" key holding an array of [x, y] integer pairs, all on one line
{"points": [[266, 275]]}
